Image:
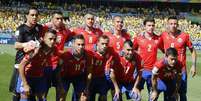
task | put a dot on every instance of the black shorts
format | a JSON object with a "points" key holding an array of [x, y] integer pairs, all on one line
{"points": [[13, 81]]}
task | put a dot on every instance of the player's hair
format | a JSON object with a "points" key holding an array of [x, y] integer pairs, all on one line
{"points": [[173, 17], [117, 16], [89, 13], [129, 42], [171, 51], [31, 8], [57, 12], [148, 19], [50, 30], [79, 36], [103, 37]]}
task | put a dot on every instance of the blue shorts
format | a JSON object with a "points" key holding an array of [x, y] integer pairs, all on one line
{"points": [[99, 85], [78, 83], [146, 77], [37, 85], [50, 76], [183, 87], [127, 89], [168, 87]]}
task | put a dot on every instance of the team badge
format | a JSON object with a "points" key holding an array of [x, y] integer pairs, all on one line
{"points": [[156, 41], [17, 33], [58, 39], [37, 29], [180, 40]]}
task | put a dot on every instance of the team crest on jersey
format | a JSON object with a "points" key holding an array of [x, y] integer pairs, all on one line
{"points": [[37, 29], [58, 39], [133, 62], [107, 56], [17, 33], [156, 41], [83, 61], [180, 40]]}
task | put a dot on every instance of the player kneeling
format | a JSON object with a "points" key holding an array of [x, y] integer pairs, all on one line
{"points": [[75, 61], [126, 73], [31, 81], [166, 76]]}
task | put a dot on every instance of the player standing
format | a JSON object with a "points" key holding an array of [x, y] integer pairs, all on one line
{"points": [[28, 34], [89, 32], [147, 44], [118, 35], [173, 37]]}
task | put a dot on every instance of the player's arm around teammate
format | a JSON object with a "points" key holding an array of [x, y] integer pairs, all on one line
{"points": [[31, 80]]}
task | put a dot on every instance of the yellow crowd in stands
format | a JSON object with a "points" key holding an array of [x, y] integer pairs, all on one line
{"points": [[10, 20]]}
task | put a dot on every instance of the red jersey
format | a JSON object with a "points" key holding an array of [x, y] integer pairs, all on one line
{"points": [[90, 37], [100, 62], [166, 72], [63, 35], [125, 69], [73, 66], [147, 49], [117, 42], [36, 64], [179, 42]]}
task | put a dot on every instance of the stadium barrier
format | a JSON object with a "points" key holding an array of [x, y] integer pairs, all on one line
{"points": [[9, 38]]}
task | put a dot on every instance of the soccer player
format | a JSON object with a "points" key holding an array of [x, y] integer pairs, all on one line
{"points": [[102, 57], [28, 35], [127, 73], [147, 44], [173, 37], [31, 69], [89, 32], [166, 76], [118, 35], [75, 61], [63, 35]]}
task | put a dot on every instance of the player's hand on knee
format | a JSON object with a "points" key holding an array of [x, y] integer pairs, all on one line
{"points": [[27, 89], [117, 94], [154, 95], [83, 97], [193, 71]]}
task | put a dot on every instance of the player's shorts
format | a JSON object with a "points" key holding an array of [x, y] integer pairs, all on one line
{"points": [[127, 89], [37, 85], [183, 87], [50, 75], [168, 87], [78, 83], [13, 81], [146, 77], [99, 85]]}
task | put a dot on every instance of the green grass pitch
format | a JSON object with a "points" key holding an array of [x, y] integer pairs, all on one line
{"points": [[7, 54]]}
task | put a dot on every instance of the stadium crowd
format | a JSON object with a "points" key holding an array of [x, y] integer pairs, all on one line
{"points": [[110, 49], [133, 17]]}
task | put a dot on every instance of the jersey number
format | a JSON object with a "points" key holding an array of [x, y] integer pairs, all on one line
{"points": [[172, 45], [90, 39], [77, 67]]}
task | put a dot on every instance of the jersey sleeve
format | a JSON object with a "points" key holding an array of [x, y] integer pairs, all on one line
{"points": [[157, 66], [188, 42], [135, 43], [161, 44], [19, 34]]}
